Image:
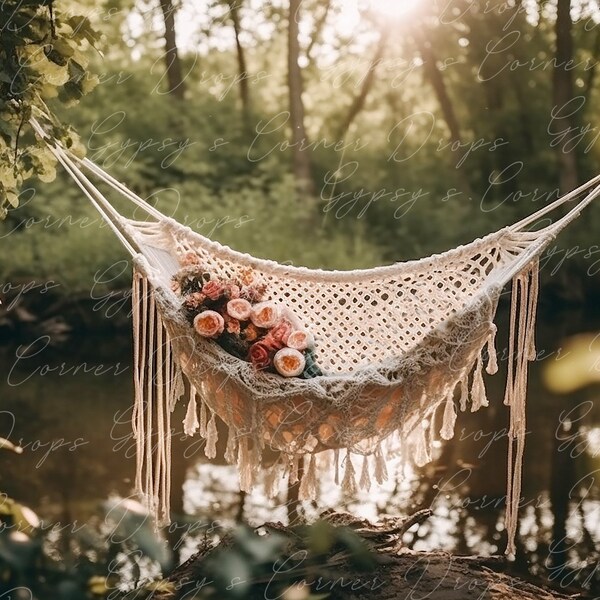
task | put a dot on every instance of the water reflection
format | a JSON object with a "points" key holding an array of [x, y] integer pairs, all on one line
{"points": [[69, 407]]}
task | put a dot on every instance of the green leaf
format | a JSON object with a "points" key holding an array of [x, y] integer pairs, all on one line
{"points": [[63, 47], [234, 574], [321, 536], [13, 199]]}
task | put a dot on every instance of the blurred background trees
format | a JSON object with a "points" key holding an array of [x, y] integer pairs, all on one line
{"points": [[380, 130]]}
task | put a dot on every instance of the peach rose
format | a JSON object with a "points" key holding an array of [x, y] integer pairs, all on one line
{"points": [[239, 309], [299, 340], [213, 289], [289, 362], [265, 314], [250, 332], [247, 276], [209, 324], [232, 325], [259, 356]]}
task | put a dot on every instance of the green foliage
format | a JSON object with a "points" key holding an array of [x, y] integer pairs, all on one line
{"points": [[42, 56], [310, 558], [390, 200]]}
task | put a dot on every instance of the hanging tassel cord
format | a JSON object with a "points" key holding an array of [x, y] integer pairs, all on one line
{"points": [[155, 384], [521, 352]]}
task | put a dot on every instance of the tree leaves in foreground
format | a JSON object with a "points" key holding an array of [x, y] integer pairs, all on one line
{"points": [[42, 57]]}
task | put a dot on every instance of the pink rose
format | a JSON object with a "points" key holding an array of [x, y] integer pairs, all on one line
{"points": [[232, 290], [209, 324], [213, 289], [299, 340], [239, 309], [289, 362], [259, 356], [281, 331], [277, 337], [265, 314]]}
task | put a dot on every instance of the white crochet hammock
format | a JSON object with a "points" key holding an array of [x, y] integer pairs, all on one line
{"points": [[402, 347]]}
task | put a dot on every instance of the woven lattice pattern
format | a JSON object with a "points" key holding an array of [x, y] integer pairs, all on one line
{"points": [[363, 317]]}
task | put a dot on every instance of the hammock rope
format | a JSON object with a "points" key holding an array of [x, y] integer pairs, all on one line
{"points": [[416, 359]]}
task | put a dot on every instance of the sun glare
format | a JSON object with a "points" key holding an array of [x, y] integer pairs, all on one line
{"points": [[394, 9]]}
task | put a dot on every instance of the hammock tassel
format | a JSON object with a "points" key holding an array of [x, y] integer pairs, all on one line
{"points": [[272, 479], [492, 365], [464, 392], [381, 474], [336, 463], [211, 438], [191, 423], [365, 477], [154, 389], [423, 451], [308, 485], [521, 351], [203, 416], [245, 466], [231, 449], [478, 395], [349, 482], [447, 430]]}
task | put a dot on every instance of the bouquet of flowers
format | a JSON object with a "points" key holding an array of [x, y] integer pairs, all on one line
{"points": [[236, 314]]}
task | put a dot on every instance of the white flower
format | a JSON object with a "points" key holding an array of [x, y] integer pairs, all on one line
{"points": [[209, 324], [265, 314], [289, 362], [300, 340], [239, 309]]}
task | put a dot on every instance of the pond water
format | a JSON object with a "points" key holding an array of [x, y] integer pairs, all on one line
{"points": [[69, 404]]}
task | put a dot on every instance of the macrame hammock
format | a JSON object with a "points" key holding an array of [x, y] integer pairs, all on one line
{"points": [[402, 348]]}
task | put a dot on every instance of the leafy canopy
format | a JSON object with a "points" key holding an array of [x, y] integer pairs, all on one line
{"points": [[41, 58]]}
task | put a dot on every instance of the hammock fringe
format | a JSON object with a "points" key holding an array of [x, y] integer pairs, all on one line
{"points": [[157, 387], [462, 284], [521, 351]]}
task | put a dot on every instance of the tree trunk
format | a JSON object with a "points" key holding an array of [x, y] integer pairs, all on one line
{"points": [[562, 94], [318, 29], [434, 76], [300, 159], [175, 83], [591, 76], [359, 101], [436, 80], [293, 498], [234, 7]]}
